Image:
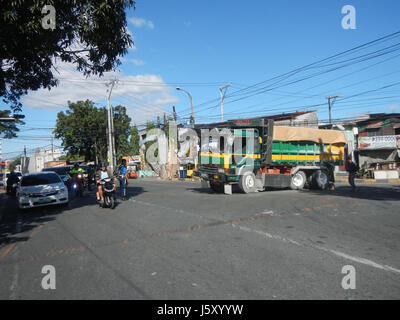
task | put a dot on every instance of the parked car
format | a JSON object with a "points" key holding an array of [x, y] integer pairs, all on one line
{"points": [[63, 172], [41, 189], [5, 177]]}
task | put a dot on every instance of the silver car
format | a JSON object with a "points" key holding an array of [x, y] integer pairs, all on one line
{"points": [[41, 189]]}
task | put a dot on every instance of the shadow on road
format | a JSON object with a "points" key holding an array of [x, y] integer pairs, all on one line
{"points": [[207, 190], [390, 193], [17, 225]]}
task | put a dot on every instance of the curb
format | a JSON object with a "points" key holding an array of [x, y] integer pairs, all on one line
{"points": [[369, 180]]}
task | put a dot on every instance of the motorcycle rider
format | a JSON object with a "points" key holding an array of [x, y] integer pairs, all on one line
{"points": [[102, 174], [74, 173], [123, 178], [12, 178]]}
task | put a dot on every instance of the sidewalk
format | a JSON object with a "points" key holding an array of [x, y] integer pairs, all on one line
{"points": [[342, 177]]}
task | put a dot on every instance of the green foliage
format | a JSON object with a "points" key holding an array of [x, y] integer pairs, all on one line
{"points": [[83, 131], [134, 142], [8, 130], [90, 34], [14, 164]]}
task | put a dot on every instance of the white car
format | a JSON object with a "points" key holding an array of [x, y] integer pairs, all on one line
{"points": [[41, 189], [4, 177]]}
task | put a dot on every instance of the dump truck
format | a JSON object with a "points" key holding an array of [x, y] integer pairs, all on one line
{"points": [[256, 155]]}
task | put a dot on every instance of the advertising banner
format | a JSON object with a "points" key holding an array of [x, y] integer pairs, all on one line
{"points": [[379, 142]]}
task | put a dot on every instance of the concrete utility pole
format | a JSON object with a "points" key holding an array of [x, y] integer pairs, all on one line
{"points": [[110, 126], [222, 98], [330, 106], [174, 113]]}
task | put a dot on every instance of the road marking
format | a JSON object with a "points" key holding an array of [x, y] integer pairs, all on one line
{"points": [[7, 250], [14, 283], [334, 252]]}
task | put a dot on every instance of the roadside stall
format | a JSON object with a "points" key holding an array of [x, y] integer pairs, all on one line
{"points": [[379, 156], [133, 165]]}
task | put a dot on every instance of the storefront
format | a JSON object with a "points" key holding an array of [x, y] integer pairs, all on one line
{"points": [[380, 156]]}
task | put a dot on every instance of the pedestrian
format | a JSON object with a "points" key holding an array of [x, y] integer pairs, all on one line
{"points": [[123, 178], [352, 169]]}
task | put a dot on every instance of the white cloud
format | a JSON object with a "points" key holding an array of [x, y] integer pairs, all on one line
{"points": [[138, 62], [394, 108], [140, 22], [145, 96]]}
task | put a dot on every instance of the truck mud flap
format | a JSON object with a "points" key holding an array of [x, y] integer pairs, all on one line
{"points": [[227, 188]]}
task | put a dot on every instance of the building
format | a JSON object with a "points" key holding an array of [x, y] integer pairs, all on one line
{"points": [[299, 119], [37, 162], [373, 142]]}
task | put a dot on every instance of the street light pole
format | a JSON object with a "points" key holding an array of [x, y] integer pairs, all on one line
{"points": [[222, 99], [195, 160], [191, 104]]}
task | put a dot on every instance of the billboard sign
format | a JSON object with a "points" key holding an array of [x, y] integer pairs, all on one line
{"points": [[379, 142]]}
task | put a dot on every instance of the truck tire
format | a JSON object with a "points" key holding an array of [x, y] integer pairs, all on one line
{"points": [[217, 187], [320, 179], [247, 182], [298, 181]]}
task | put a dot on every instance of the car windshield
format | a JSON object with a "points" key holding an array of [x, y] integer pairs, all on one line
{"points": [[40, 179], [60, 171]]}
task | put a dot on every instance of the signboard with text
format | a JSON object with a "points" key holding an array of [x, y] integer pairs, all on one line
{"points": [[379, 142]]}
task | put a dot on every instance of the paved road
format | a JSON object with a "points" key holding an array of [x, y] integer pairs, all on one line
{"points": [[175, 240]]}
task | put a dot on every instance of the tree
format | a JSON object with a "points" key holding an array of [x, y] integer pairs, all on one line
{"points": [[134, 142], [122, 132], [83, 130], [13, 165], [90, 34], [8, 129]]}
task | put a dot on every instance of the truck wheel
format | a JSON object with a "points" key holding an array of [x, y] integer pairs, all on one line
{"points": [[247, 182], [217, 187], [298, 180], [320, 179]]}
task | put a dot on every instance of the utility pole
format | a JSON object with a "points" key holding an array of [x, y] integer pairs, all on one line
{"points": [[174, 113], [1, 152], [110, 126], [52, 150], [330, 106], [222, 98], [24, 162]]}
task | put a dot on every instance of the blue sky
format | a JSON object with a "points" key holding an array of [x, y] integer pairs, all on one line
{"points": [[202, 45]]}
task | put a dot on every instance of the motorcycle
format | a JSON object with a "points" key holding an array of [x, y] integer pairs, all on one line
{"points": [[91, 182], [12, 190], [107, 185], [78, 184]]}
